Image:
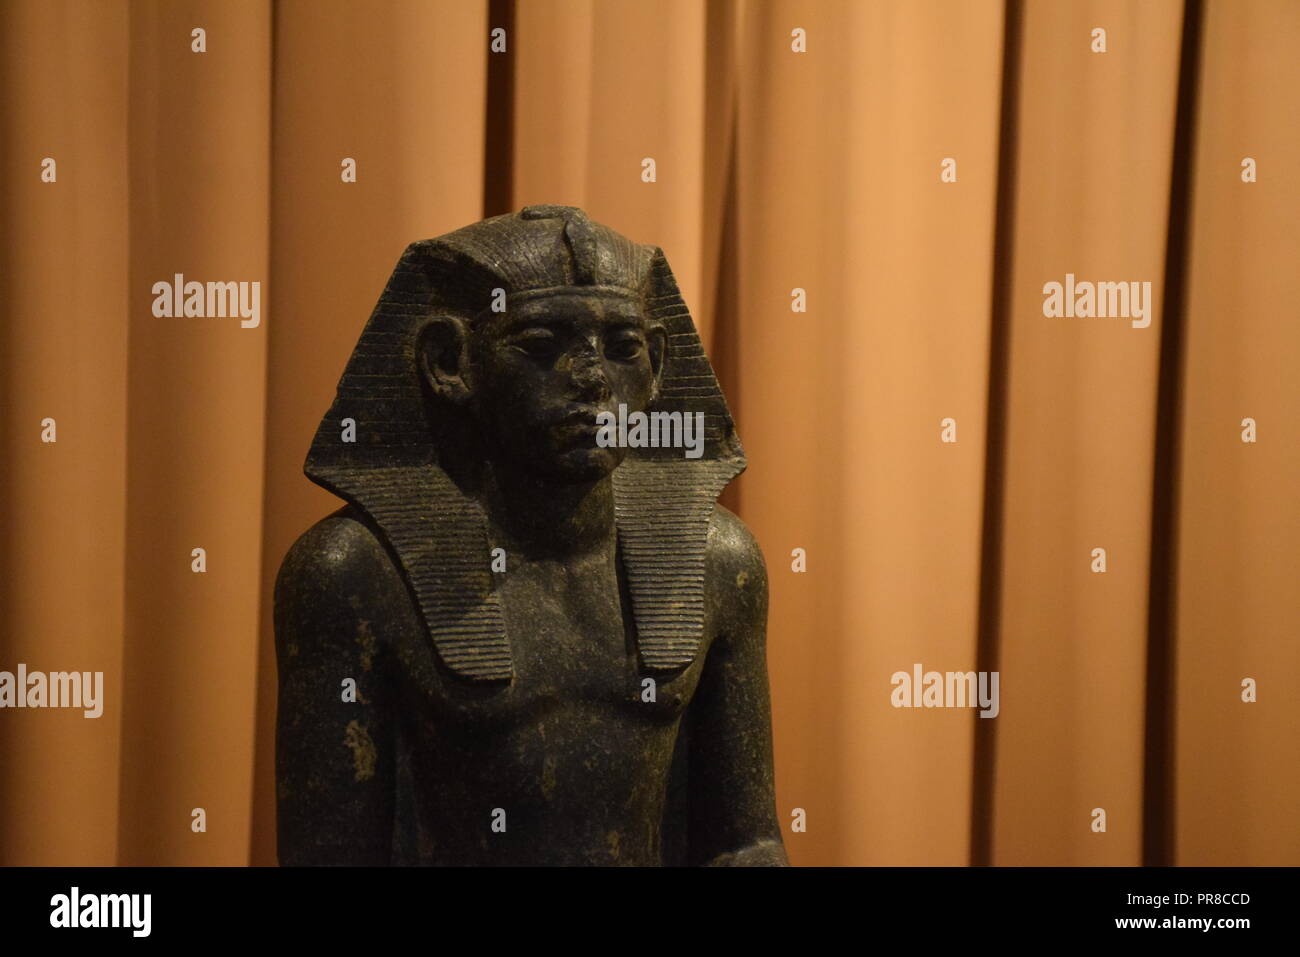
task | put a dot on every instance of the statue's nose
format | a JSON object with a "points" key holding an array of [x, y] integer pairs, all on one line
{"points": [[588, 377]]}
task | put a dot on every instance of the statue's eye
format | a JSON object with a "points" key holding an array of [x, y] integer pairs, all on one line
{"points": [[537, 343], [624, 348]]}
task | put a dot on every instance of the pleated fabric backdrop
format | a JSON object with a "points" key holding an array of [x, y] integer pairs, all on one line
{"points": [[775, 171]]}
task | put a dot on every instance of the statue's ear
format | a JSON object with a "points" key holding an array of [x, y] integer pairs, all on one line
{"points": [[657, 345], [442, 354]]}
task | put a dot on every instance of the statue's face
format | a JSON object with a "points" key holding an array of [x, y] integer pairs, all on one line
{"points": [[541, 372]]}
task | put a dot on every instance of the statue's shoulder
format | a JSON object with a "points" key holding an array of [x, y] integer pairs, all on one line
{"points": [[338, 547], [731, 540], [735, 570], [338, 565]]}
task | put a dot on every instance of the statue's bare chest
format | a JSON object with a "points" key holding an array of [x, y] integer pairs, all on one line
{"points": [[572, 641]]}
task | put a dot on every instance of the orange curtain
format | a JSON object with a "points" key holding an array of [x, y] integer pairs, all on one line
{"points": [[917, 173]]}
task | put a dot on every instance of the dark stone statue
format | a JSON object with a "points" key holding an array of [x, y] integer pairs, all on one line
{"points": [[531, 636]]}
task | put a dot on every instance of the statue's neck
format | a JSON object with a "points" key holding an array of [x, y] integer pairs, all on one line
{"points": [[543, 517]]}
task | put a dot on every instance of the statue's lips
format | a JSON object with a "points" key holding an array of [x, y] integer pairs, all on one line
{"points": [[578, 422]]}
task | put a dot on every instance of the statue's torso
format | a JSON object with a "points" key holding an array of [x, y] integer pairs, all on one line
{"points": [[572, 757]]}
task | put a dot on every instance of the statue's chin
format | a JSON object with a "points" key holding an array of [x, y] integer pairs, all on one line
{"points": [[578, 466]]}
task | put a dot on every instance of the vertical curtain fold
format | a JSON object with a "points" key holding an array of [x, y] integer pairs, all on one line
{"points": [[1096, 136], [842, 407], [63, 356], [1237, 763], [199, 130]]}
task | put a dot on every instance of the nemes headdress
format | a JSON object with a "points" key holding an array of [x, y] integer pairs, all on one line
{"points": [[394, 470]]}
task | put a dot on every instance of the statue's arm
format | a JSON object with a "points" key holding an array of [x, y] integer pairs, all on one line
{"points": [[334, 757], [733, 806]]}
